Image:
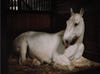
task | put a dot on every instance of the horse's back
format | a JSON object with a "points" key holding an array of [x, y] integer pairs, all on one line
{"points": [[40, 44]]}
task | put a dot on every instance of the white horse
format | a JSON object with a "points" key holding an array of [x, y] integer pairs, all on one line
{"points": [[50, 48], [73, 37], [73, 42]]}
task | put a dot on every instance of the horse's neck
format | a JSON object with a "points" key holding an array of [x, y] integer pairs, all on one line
{"points": [[60, 33], [80, 40]]}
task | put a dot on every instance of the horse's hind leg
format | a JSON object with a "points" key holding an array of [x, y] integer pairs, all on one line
{"points": [[23, 51]]}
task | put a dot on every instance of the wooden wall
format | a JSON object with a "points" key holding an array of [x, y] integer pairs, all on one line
{"points": [[21, 22], [18, 22]]}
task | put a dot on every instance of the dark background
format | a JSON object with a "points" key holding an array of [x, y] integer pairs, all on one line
{"points": [[15, 23]]}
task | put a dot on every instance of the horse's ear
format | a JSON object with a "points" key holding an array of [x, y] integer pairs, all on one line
{"points": [[81, 11], [71, 11]]}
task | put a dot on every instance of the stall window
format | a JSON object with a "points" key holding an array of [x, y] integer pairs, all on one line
{"points": [[30, 5]]}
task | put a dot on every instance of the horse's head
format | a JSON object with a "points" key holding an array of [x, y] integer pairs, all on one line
{"points": [[74, 29]]}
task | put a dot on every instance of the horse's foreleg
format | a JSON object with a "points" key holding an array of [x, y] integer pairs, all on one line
{"points": [[79, 60], [79, 53], [62, 62]]}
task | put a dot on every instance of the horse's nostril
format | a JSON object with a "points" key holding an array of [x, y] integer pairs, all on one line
{"points": [[66, 43]]}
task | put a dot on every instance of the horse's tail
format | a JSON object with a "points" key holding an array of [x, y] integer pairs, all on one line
{"points": [[18, 43]]}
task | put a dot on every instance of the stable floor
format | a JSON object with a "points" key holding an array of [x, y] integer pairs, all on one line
{"points": [[15, 68]]}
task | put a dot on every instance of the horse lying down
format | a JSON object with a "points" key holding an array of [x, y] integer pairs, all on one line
{"points": [[61, 48]]}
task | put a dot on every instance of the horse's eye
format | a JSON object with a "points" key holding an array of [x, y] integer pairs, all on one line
{"points": [[75, 24]]}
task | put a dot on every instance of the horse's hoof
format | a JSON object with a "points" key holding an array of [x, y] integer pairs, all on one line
{"points": [[36, 62]]}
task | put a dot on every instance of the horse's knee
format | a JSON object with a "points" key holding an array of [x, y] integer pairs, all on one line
{"points": [[81, 47], [64, 67]]}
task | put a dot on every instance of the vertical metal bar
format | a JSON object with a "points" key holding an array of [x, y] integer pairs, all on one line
{"points": [[13, 4], [16, 4], [44, 5], [25, 5], [34, 4], [38, 5], [19, 5], [31, 5], [10, 4]]}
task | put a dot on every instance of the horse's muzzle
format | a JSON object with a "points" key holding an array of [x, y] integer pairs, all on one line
{"points": [[74, 40], [68, 43]]}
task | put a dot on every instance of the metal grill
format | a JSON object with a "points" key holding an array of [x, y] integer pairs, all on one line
{"points": [[30, 5]]}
